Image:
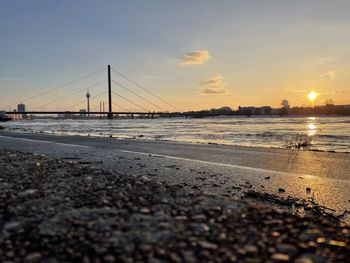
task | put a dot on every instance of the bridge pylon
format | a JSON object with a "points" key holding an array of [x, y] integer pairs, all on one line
{"points": [[110, 114]]}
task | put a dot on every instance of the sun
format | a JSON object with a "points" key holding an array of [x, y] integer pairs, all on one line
{"points": [[312, 95]]}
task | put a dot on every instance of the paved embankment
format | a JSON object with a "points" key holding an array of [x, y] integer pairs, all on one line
{"points": [[303, 180]]}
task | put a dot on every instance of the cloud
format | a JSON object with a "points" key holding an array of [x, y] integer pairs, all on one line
{"points": [[214, 85], [196, 57], [331, 74]]}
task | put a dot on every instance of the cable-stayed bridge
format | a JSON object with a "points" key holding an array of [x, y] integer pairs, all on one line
{"points": [[160, 106]]}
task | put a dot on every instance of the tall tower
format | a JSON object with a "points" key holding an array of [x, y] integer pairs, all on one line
{"points": [[88, 102]]}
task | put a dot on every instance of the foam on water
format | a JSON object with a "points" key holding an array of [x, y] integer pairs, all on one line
{"points": [[326, 133]]}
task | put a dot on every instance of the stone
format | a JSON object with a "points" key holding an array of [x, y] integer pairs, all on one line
{"points": [[145, 210], [208, 245], [12, 226], [281, 190], [280, 257], [27, 192], [288, 249], [304, 260], [200, 217], [32, 258], [250, 249]]}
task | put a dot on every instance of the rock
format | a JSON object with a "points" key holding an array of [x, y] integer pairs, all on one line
{"points": [[280, 257], [27, 192], [85, 214], [281, 190], [304, 260], [200, 217], [145, 210], [336, 243], [52, 227], [288, 249], [181, 218], [310, 235], [250, 249], [188, 256], [12, 226], [32, 258], [208, 245], [175, 258]]}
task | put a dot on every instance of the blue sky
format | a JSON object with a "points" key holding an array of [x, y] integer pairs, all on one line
{"points": [[257, 52]]}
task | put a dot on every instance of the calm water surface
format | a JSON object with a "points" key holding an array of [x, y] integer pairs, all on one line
{"points": [[326, 133]]}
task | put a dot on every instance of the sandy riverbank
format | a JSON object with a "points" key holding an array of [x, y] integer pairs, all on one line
{"points": [[54, 211]]}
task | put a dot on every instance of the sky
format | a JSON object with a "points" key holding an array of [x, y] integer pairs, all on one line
{"points": [[192, 54]]}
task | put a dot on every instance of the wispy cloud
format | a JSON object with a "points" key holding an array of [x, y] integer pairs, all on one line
{"points": [[196, 57], [332, 74], [214, 85]]}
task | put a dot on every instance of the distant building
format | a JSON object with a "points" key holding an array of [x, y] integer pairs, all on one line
{"points": [[66, 114], [21, 107], [221, 111], [265, 110], [248, 111], [82, 112]]}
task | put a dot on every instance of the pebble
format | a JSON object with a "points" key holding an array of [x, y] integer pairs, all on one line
{"points": [[32, 258], [11, 226], [288, 249], [145, 210], [304, 260], [199, 217], [281, 190], [116, 217], [27, 192], [208, 245], [250, 249], [280, 257]]}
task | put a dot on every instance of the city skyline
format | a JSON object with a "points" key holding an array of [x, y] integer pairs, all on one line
{"points": [[198, 56]]}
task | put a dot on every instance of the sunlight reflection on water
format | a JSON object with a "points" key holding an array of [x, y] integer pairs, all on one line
{"points": [[311, 126], [327, 133]]}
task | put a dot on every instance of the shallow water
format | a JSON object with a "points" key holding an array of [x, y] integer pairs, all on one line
{"points": [[326, 133]]}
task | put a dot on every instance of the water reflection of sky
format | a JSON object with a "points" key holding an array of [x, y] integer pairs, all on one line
{"points": [[327, 133]]}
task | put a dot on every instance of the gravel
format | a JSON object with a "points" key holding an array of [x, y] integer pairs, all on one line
{"points": [[65, 211]]}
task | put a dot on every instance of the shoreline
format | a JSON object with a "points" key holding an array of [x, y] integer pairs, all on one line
{"points": [[169, 140], [60, 210], [316, 134]]}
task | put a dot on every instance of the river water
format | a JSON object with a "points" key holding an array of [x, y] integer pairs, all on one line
{"points": [[321, 133]]}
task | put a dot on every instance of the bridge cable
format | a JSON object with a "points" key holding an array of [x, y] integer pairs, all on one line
{"points": [[140, 86], [122, 86], [61, 86], [117, 105], [130, 101], [76, 92], [98, 95]]}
